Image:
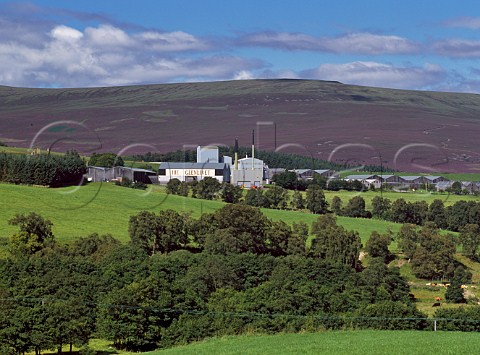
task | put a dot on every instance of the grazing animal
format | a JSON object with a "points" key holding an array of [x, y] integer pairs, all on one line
{"points": [[436, 304], [437, 299]]}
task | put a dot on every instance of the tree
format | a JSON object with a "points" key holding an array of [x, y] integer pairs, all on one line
{"points": [[400, 211], [436, 214], [337, 205], [381, 207], [255, 198], [297, 202], [163, 233], [245, 226], [407, 239], [35, 233], [207, 188], [316, 201], [107, 160], [454, 292], [433, 258], [276, 197], [173, 186], [377, 246], [356, 208], [470, 239], [456, 188], [334, 243], [231, 193], [287, 180]]}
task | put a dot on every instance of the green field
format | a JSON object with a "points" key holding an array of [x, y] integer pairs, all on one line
{"points": [[106, 208], [448, 199], [338, 342]]}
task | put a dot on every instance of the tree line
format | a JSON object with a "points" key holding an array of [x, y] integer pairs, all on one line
{"points": [[182, 279], [42, 169]]}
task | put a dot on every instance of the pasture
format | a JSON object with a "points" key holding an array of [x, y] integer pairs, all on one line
{"points": [[338, 342], [105, 208]]}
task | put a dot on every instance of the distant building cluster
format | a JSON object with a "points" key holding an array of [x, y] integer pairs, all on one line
{"points": [[251, 172]]}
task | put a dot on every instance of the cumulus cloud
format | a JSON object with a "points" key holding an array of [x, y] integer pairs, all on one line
{"points": [[379, 74], [457, 48], [108, 55], [355, 43], [464, 22]]}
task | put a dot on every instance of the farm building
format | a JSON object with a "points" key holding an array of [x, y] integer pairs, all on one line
{"points": [[307, 174], [98, 174]]}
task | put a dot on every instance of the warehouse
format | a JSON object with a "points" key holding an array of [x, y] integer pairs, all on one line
{"points": [[193, 171]]}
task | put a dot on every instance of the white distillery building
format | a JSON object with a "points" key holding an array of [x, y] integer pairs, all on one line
{"points": [[250, 173], [193, 171]]}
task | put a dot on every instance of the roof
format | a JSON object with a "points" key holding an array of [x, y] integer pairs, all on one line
{"points": [[301, 171], [410, 178], [359, 177], [321, 171], [171, 165], [429, 177]]}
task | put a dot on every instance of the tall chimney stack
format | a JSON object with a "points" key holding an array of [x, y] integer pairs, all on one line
{"points": [[253, 149], [236, 154]]}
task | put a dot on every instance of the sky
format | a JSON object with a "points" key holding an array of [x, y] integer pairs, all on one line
{"points": [[420, 45]]}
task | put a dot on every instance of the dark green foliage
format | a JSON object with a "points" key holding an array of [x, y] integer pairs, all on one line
{"points": [[462, 319], [388, 315], [161, 233], [454, 292], [436, 214], [377, 246], [288, 180], [173, 186], [356, 208], [333, 243], [408, 239], [316, 201], [255, 198], [470, 240], [207, 188], [230, 193], [297, 202], [42, 169], [381, 207], [276, 197], [106, 160], [34, 235], [433, 257], [457, 215], [337, 205]]}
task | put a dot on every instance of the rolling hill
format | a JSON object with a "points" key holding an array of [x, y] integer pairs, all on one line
{"points": [[315, 118]]}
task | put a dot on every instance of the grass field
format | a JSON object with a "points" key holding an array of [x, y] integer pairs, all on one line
{"points": [[338, 342], [448, 199], [106, 208]]}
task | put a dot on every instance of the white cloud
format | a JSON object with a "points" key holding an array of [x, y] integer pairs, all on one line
{"points": [[465, 22], [458, 48], [379, 74], [358, 43], [243, 75], [107, 55]]}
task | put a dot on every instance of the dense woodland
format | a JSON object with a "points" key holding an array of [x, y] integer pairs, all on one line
{"points": [[42, 169], [182, 279]]}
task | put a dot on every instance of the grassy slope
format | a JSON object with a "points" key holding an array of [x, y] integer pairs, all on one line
{"points": [[106, 208], [338, 342]]}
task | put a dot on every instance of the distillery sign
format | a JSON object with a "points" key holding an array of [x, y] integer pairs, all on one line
{"points": [[193, 172]]}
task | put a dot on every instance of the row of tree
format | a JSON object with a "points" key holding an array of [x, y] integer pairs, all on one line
{"points": [[42, 169]]}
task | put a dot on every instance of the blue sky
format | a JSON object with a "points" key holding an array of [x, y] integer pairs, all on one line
{"points": [[422, 44]]}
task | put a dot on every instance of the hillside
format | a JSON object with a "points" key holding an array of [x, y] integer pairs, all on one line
{"points": [[311, 118]]}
